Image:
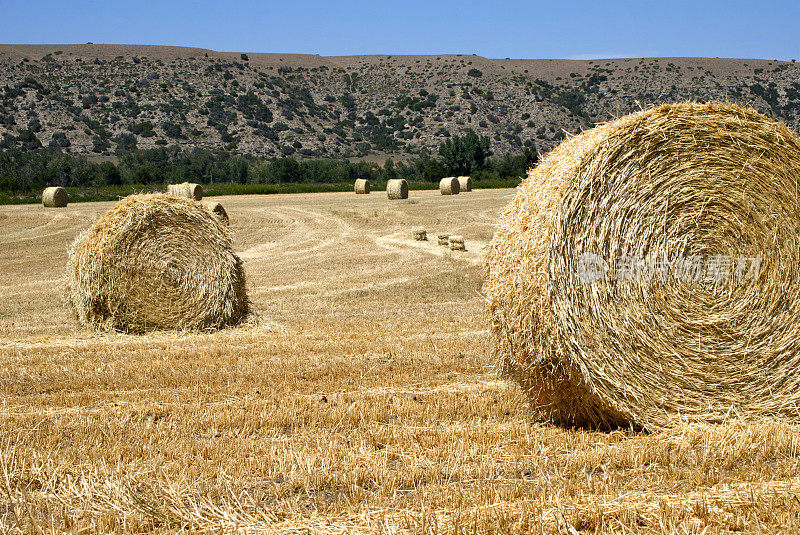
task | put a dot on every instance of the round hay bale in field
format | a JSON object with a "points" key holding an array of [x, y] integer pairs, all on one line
{"points": [[362, 186], [456, 243], [54, 197], [397, 188], [465, 183], [449, 186], [420, 234], [444, 239], [645, 274], [156, 262], [187, 190], [218, 210]]}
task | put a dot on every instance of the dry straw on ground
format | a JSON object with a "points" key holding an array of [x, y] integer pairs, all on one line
{"points": [[443, 239], [316, 423], [465, 183], [54, 197], [362, 186], [456, 243], [397, 189], [449, 186], [706, 181], [156, 262], [187, 190], [420, 234], [218, 210]]}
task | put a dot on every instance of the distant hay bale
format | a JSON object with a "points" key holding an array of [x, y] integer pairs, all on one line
{"points": [[449, 186], [420, 234], [186, 190], [645, 274], [156, 262], [362, 186], [444, 239], [54, 197], [456, 243], [218, 210], [397, 189], [466, 183]]}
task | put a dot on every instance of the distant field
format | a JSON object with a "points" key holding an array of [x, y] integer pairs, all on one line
{"points": [[109, 193], [362, 400]]}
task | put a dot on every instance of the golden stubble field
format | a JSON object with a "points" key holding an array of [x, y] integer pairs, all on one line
{"points": [[361, 400]]}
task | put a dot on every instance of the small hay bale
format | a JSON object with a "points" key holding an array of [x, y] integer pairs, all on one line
{"points": [[156, 262], [397, 188], [186, 190], [444, 239], [466, 183], [420, 234], [449, 186], [685, 186], [218, 210], [456, 243], [362, 186], [54, 197]]}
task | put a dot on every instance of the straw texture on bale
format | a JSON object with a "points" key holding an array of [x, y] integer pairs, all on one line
{"points": [[218, 210], [456, 243], [156, 262], [187, 190], [444, 239], [54, 197], [362, 185], [420, 234], [678, 181], [397, 189], [449, 186], [465, 183]]}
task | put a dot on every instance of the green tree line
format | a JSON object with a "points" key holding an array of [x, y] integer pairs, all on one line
{"points": [[28, 171]]}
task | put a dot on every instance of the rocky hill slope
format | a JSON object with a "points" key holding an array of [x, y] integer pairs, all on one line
{"points": [[103, 98]]}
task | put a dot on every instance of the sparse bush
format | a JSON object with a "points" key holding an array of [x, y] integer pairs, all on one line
{"points": [[348, 101], [100, 144], [144, 129], [125, 142], [172, 130], [59, 140]]}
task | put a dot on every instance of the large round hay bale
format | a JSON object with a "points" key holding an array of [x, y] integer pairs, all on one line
{"points": [[449, 186], [397, 189], [646, 273], [466, 183], [54, 197], [362, 186], [420, 234], [216, 208], [156, 262], [187, 190]]}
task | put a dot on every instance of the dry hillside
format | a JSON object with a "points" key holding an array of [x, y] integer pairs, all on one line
{"points": [[98, 98]]}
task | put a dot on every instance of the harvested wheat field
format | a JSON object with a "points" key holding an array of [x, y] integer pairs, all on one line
{"points": [[362, 399]]}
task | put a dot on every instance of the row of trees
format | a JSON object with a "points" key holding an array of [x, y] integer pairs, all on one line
{"points": [[29, 171]]}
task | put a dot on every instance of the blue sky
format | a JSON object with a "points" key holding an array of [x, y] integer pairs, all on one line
{"points": [[516, 29]]}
